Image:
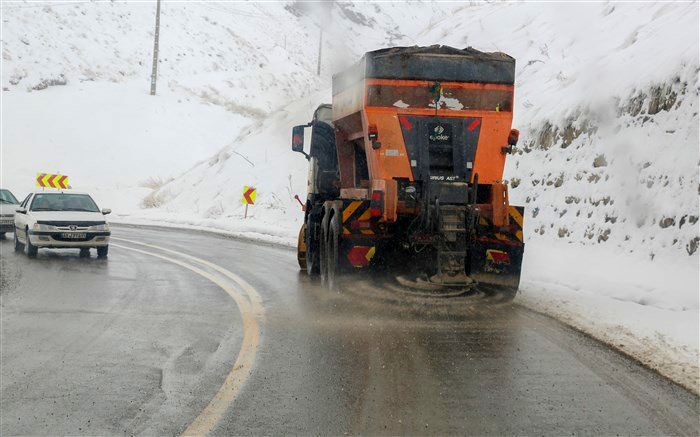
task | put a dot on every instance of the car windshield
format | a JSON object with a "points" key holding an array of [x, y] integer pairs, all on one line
{"points": [[63, 202], [7, 197]]}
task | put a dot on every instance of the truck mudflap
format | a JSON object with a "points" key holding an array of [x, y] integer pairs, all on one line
{"points": [[496, 256], [496, 262], [359, 234]]}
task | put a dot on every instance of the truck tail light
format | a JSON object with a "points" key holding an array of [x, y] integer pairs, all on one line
{"points": [[376, 206]]}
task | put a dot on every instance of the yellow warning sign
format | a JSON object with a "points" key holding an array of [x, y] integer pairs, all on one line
{"points": [[249, 195], [48, 180]]}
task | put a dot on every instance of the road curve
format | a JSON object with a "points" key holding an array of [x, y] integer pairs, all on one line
{"points": [[148, 340]]}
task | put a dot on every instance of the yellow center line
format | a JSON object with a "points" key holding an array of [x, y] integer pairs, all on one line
{"points": [[249, 290], [252, 313]]}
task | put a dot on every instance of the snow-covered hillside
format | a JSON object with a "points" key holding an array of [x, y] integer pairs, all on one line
{"points": [[249, 58], [607, 106], [76, 76], [606, 101]]}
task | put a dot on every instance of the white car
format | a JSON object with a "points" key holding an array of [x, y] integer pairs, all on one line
{"points": [[8, 205], [61, 220]]}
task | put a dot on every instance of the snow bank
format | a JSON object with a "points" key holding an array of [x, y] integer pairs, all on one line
{"points": [[647, 309]]}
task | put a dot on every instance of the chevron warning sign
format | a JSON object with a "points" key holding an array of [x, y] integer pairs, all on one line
{"points": [[48, 180], [249, 195]]}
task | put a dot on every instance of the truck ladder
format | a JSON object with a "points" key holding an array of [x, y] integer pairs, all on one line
{"points": [[452, 247]]}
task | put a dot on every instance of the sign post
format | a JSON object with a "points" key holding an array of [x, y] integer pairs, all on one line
{"points": [[249, 195]]}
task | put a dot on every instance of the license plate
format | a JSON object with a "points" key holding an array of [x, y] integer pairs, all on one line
{"points": [[73, 236], [6, 222]]}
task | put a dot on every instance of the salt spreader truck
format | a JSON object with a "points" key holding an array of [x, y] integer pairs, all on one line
{"points": [[406, 170]]}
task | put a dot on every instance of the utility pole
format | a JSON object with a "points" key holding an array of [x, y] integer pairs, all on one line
{"points": [[154, 71], [321, 16], [320, 45]]}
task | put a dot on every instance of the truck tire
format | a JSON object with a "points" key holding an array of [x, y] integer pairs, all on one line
{"points": [[2, 236], [312, 249], [19, 247], [102, 251], [32, 250], [332, 253], [323, 249], [301, 249], [85, 252]]}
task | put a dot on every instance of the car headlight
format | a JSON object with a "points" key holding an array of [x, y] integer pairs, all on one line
{"points": [[104, 227], [41, 227]]}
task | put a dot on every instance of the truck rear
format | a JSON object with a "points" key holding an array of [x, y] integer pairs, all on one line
{"points": [[406, 170]]}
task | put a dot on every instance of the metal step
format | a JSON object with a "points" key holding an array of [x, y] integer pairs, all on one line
{"points": [[452, 247], [452, 253], [452, 229]]}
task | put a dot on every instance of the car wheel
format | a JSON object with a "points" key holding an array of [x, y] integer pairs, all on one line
{"points": [[18, 246], [85, 252], [32, 250], [102, 251], [312, 248]]}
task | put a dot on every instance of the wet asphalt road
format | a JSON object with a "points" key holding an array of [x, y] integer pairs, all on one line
{"points": [[138, 344]]}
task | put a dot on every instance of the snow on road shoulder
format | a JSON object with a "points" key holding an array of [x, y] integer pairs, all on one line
{"points": [[252, 230], [646, 309]]}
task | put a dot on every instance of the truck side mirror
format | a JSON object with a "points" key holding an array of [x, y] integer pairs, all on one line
{"points": [[513, 137], [21, 210], [298, 139]]}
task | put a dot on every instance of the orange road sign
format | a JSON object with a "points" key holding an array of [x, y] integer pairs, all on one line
{"points": [[48, 180], [249, 195]]}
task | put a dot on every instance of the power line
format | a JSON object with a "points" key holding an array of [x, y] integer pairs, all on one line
{"points": [[320, 46]]}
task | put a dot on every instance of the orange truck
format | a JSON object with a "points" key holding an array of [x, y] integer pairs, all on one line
{"points": [[406, 170]]}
